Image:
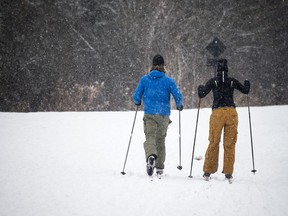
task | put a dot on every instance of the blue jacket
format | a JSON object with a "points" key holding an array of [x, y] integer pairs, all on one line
{"points": [[155, 89]]}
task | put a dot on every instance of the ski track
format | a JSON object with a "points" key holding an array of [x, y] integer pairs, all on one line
{"points": [[69, 163]]}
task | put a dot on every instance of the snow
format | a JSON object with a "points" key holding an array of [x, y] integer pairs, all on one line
{"points": [[69, 163]]}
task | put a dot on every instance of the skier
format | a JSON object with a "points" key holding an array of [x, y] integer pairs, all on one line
{"points": [[155, 90], [224, 117]]}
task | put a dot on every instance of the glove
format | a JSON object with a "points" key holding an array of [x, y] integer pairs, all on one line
{"points": [[180, 108], [201, 91], [138, 104], [247, 83]]}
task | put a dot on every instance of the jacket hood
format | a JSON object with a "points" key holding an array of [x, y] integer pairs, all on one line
{"points": [[154, 74]]}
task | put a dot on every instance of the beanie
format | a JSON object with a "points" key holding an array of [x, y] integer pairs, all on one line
{"points": [[158, 60]]}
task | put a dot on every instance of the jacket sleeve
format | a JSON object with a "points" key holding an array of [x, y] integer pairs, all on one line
{"points": [[138, 94], [177, 95], [204, 90], [242, 88]]}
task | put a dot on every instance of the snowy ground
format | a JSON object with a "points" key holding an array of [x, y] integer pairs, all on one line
{"points": [[67, 164]]}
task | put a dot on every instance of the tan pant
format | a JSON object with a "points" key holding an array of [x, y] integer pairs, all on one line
{"points": [[155, 129], [227, 119]]}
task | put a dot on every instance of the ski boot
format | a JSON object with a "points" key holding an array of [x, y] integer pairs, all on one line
{"points": [[206, 176], [159, 172], [150, 165], [229, 177]]}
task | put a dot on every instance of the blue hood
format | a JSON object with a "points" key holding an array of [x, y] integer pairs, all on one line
{"points": [[154, 74]]}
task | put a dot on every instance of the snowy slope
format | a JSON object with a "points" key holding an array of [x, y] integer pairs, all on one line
{"points": [[64, 164]]}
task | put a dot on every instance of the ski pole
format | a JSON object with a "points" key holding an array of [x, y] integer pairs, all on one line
{"points": [[254, 170], [179, 167], [190, 176], [123, 173]]}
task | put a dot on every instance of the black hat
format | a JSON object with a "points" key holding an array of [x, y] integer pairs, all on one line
{"points": [[222, 65], [158, 60]]}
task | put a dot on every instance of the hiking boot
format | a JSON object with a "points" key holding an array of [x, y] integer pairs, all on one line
{"points": [[150, 165]]}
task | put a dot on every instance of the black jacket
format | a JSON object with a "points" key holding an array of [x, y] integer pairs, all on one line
{"points": [[223, 89]]}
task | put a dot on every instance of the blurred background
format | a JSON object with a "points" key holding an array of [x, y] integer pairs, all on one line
{"points": [[88, 55]]}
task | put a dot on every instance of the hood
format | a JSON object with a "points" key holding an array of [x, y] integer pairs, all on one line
{"points": [[154, 74]]}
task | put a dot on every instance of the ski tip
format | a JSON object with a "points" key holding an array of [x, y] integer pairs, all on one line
{"points": [[123, 173]]}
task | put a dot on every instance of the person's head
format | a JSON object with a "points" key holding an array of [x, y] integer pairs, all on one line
{"points": [[222, 65], [158, 63]]}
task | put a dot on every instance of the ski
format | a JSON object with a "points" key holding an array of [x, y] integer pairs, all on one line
{"points": [[208, 178], [158, 175]]}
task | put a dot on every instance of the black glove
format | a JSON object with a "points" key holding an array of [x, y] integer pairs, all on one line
{"points": [[201, 91], [247, 83], [138, 104], [180, 108], [247, 86]]}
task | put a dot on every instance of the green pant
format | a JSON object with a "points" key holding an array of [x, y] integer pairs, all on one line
{"points": [[155, 129]]}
